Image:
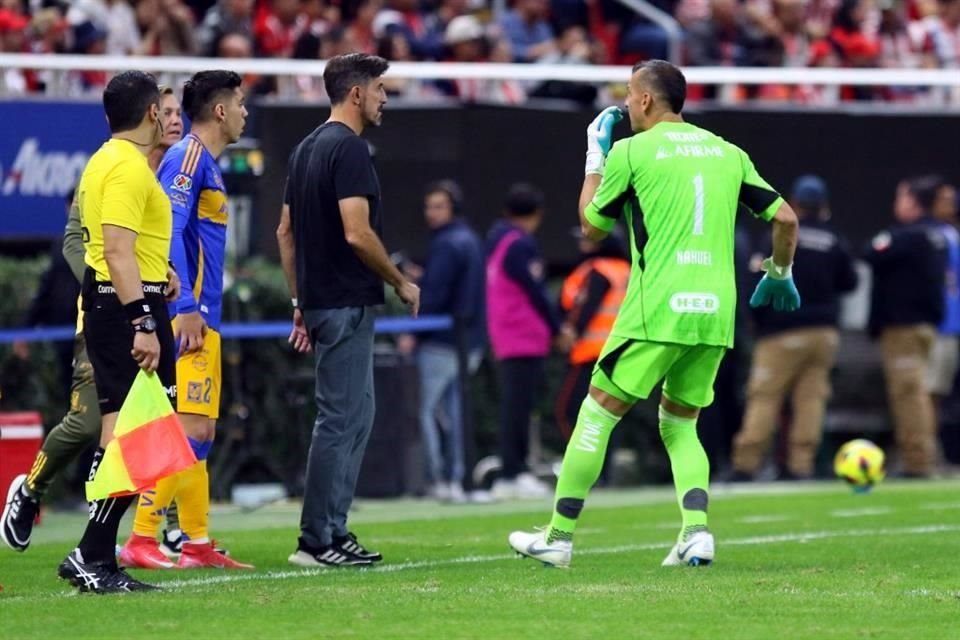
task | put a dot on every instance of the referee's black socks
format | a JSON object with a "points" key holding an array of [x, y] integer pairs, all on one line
{"points": [[100, 537]]}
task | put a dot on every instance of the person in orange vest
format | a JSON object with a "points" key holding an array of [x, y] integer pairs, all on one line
{"points": [[590, 299]]}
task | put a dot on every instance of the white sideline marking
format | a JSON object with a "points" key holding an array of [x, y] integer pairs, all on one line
{"points": [[865, 511], [426, 564], [762, 519], [940, 506]]}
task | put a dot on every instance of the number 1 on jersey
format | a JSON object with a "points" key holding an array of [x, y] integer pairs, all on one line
{"points": [[698, 204]]}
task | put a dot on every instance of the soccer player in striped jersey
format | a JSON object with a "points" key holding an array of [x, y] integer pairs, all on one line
{"points": [[188, 173]]}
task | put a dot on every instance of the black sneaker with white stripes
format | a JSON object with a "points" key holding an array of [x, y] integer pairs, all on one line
{"points": [[350, 544], [327, 556], [19, 514], [99, 577], [171, 542]]}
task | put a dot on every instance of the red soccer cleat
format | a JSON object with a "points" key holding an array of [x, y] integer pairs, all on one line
{"points": [[142, 552], [205, 555]]}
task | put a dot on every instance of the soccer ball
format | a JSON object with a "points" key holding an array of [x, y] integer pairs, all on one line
{"points": [[860, 464]]}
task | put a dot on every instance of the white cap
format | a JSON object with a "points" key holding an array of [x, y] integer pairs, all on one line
{"points": [[463, 29], [386, 18]]}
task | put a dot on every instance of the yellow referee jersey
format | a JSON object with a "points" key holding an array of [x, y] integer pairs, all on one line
{"points": [[117, 187]]}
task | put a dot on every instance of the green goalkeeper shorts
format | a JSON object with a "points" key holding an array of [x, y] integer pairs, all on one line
{"points": [[631, 369]]}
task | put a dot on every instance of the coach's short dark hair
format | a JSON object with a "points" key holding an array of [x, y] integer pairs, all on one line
{"points": [[204, 89], [667, 81], [345, 72], [523, 200], [127, 99], [924, 190]]}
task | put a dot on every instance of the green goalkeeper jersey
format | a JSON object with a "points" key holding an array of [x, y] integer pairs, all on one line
{"points": [[680, 188]]}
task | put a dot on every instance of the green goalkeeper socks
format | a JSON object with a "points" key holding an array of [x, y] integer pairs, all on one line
{"points": [[691, 469], [582, 464]]}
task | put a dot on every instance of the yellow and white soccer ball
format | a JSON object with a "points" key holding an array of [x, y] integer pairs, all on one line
{"points": [[860, 463]]}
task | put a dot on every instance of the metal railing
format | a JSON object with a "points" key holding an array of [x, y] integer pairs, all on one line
{"points": [[460, 70]]}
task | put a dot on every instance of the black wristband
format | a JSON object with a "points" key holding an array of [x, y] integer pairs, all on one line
{"points": [[137, 309]]}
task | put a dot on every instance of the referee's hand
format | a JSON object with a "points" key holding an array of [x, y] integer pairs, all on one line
{"points": [[146, 351]]}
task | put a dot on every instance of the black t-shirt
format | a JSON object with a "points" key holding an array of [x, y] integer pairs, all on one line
{"points": [[909, 264], [823, 271], [331, 164]]}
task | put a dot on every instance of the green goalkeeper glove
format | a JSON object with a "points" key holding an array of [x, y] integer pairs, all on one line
{"points": [[777, 287]]}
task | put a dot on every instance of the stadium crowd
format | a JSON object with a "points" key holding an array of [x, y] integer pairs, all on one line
{"points": [[767, 33]]}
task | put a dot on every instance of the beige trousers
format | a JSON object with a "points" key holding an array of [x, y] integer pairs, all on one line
{"points": [[799, 362], [906, 354]]}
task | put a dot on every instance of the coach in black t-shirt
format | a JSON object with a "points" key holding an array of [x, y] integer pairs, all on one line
{"points": [[336, 266]]}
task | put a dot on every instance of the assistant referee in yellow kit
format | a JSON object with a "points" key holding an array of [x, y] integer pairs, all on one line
{"points": [[127, 225]]}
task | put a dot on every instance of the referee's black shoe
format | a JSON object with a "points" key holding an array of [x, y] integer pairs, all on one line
{"points": [[349, 544], [99, 577], [19, 514]]}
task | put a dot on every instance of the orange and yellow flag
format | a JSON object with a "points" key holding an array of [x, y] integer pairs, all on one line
{"points": [[148, 443]]}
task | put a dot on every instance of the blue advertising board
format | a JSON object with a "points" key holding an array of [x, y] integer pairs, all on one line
{"points": [[44, 146]]}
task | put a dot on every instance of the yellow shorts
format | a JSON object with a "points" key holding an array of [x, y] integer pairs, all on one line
{"points": [[199, 378]]}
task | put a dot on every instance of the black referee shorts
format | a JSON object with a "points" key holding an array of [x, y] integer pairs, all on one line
{"points": [[109, 338]]}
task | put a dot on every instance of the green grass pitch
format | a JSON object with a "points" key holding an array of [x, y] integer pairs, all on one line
{"points": [[793, 561]]}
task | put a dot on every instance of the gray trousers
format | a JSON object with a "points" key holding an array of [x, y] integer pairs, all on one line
{"points": [[343, 352]]}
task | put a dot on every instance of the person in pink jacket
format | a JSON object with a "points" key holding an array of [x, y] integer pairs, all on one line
{"points": [[521, 324]]}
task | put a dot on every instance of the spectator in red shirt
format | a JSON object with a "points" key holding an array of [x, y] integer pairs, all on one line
{"points": [[13, 39], [848, 45], [278, 27]]}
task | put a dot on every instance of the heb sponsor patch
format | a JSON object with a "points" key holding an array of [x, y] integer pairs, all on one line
{"points": [[694, 302], [182, 182]]}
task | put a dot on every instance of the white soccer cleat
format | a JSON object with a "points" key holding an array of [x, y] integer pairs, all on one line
{"points": [[534, 545], [695, 552]]}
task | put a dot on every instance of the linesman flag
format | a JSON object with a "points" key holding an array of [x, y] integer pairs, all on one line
{"points": [[148, 443]]}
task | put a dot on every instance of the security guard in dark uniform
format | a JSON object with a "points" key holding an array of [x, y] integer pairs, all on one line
{"points": [[795, 351], [907, 305]]}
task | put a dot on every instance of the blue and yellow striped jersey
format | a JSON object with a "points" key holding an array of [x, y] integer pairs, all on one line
{"points": [[191, 178]]}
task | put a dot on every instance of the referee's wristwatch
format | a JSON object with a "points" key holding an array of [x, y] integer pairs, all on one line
{"points": [[147, 325]]}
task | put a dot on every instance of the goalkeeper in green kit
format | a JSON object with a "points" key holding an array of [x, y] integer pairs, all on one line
{"points": [[679, 188]]}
